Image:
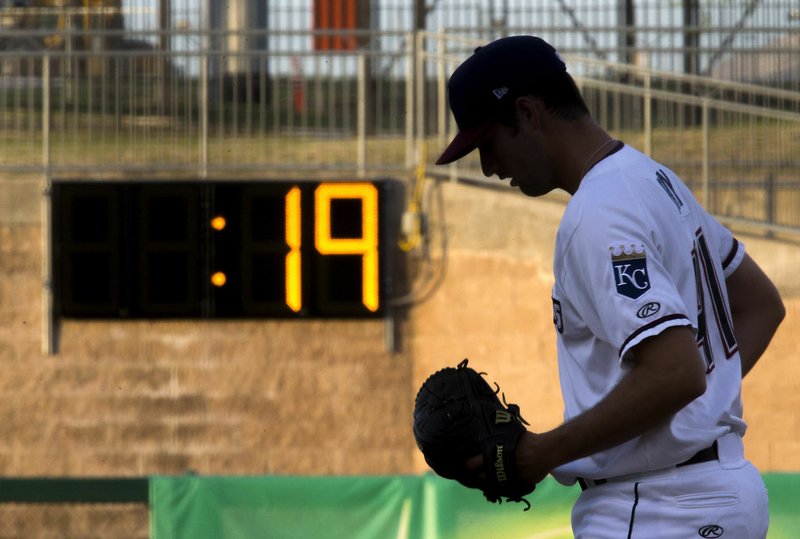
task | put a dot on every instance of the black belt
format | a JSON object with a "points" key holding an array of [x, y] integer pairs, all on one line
{"points": [[704, 455]]}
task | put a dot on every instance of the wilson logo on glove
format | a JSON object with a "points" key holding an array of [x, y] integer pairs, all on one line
{"points": [[502, 416], [457, 416], [498, 465]]}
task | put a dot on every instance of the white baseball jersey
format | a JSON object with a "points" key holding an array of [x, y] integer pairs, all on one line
{"points": [[636, 254]]}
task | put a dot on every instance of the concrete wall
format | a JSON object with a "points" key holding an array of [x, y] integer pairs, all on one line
{"points": [[165, 397], [316, 397]]}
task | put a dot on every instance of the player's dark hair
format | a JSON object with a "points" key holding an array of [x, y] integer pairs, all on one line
{"points": [[560, 95]]}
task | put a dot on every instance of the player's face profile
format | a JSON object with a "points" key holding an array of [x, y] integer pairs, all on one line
{"points": [[511, 153]]}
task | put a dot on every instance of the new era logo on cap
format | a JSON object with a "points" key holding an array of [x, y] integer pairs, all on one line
{"points": [[500, 92]]}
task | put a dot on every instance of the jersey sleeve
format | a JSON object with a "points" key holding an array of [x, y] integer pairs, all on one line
{"points": [[616, 271], [731, 251]]}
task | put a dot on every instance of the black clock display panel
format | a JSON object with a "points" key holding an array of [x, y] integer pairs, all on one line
{"points": [[219, 249]]}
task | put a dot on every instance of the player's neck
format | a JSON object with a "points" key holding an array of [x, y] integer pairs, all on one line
{"points": [[585, 144]]}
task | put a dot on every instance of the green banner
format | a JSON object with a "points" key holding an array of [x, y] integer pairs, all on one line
{"points": [[382, 507]]}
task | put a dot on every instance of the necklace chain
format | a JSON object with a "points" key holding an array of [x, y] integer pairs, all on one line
{"points": [[594, 153]]}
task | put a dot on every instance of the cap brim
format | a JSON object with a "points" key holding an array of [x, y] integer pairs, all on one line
{"points": [[464, 142]]}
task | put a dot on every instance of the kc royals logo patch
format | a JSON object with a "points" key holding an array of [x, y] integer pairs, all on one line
{"points": [[629, 264]]}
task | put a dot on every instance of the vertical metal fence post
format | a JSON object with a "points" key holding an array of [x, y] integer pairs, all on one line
{"points": [[204, 60], [46, 208], [770, 199], [706, 157], [441, 99], [420, 93], [410, 70], [441, 87], [46, 115], [361, 120]]}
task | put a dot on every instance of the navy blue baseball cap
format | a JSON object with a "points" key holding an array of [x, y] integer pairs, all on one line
{"points": [[488, 82]]}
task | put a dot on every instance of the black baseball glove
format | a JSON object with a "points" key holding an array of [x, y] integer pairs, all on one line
{"points": [[457, 415]]}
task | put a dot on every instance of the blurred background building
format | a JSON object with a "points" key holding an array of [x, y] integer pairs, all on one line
{"points": [[742, 40]]}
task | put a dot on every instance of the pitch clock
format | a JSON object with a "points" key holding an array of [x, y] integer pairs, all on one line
{"points": [[197, 249]]}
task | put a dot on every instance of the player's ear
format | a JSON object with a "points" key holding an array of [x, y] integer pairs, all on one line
{"points": [[529, 110]]}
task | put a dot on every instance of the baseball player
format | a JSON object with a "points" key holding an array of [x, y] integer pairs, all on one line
{"points": [[657, 308]]}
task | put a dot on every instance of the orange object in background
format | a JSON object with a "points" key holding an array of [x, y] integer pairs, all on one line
{"points": [[335, 15], [298, 93]]}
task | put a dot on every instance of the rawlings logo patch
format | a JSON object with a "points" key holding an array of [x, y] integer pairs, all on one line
{"points": [[711, 531], [648, 309], [629, 265]]}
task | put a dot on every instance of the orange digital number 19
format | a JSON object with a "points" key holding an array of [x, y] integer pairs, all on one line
{"points": [[366, 246], [294, 295]]}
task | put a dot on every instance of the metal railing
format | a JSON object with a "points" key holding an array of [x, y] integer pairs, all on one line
{"points": [[287, 113], [736, 145], [134, 111]]}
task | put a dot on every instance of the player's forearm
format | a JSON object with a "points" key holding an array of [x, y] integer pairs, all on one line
{"points": [[757, 311], [754, 331], [668, 375], [637, 405]]}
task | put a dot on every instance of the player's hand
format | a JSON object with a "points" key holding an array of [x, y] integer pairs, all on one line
{"points": [[475, 466], [531, 466], [531, 455]]}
